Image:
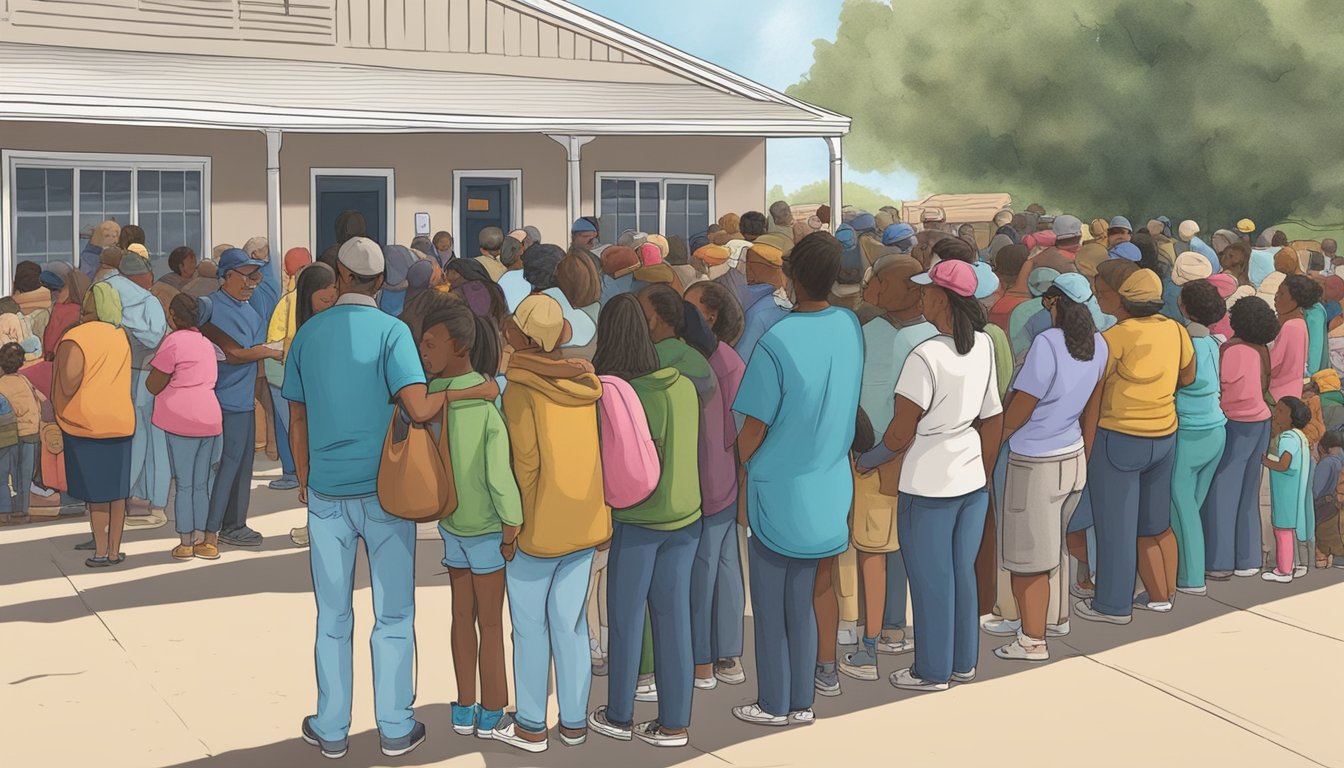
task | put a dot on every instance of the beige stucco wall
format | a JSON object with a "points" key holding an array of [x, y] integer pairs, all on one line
{"points": [[423, 165]]}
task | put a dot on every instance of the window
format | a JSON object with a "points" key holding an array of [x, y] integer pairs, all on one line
{"points": [[59, 198], [669, 204]]}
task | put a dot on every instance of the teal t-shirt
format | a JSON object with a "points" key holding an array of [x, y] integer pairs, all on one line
{"points": [[1316, 343], [885, 348], [346, 364], [803, 383], [1198, 405]]}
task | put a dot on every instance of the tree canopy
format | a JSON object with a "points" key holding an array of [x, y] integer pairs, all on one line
{"points": [[857, 195], [1209, 110]]}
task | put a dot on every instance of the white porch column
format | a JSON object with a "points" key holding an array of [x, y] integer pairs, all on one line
{"points": [[273, 141], [573, 154], [833, 143]]}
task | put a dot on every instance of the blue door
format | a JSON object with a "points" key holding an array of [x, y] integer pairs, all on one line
{"points": [[482, 203], [337, 194]]}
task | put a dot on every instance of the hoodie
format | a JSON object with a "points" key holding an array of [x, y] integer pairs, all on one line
{"points": [[675, 353], [673, 413], [141, 316], [718, 434], [560, 480]]}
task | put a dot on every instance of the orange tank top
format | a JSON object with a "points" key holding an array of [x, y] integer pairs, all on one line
{"points": [[101, 408]]}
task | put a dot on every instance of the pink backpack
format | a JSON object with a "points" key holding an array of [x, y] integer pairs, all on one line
{"points": [[630, 469]]}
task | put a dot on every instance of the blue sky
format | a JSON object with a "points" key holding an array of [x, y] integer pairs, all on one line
{"points": [[769, 41]]}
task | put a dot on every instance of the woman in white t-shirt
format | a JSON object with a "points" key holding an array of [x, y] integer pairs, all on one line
{"points": [[947, 426]]}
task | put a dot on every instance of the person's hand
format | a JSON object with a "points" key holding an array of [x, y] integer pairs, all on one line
{"points": [[303, 494], [507, 549], [275, 354]]}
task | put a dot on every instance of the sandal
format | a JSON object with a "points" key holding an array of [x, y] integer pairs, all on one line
{"points": [[97, 562]]}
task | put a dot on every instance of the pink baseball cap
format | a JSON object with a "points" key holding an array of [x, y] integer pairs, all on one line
{"points": [[955, 276], [650, 254]]}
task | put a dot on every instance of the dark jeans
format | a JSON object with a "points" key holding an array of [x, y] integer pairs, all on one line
{"points": [[1129, 479], [16, 462], [940, 539], [232, 490], [651, 570], [717, 599], [785, 628], [1231, 511], [893, 615]]}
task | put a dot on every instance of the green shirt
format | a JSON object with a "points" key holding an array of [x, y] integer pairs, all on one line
{"points": [[673, 412], [478, 443]]}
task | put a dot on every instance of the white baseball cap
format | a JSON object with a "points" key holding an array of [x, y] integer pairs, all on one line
{"points": [[362, 256]]}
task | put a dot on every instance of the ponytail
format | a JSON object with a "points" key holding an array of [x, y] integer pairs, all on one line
{"points": [[485, 353], [1075, 320]]}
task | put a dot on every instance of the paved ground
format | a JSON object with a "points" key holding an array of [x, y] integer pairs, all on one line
{"points": [[160, 663]]}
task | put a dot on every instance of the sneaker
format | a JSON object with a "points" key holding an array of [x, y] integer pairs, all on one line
{"points": [[646, 689], [205, 551], [1299, 571], [598, 721], [1246, 573], [848, 634], [890, 645], [752, 713], [1085, 610], [1218, 575], [156, 518], [1001, 627], [87, 546], [1198, 591], [1023, 649], [730, 671], [905, 680], [706, 683], [1141, 601], [241, 537], [1057, 630], [98, 562], [464, 719], [486, 720], [299, 536], [572, 737], [803, 717], [963, 677], [655, 734], [284, 483], [331, 749], [509, 732], [1282, 578], [861, 664], [826, 682], [1081, 592], [406, 744], [184, 552]]}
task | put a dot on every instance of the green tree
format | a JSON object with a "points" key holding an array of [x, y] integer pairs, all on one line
{"points": [[857, 195], [1209, 110]]}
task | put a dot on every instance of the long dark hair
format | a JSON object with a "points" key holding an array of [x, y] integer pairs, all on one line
{"points": [[476, 333], [968, 317], [683, 317], [313, 278], [729, 321], [624, 348], [1075, 320]]}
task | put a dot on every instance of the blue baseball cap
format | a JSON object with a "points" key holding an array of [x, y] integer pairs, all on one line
{"points": [[895, 233], [583, 225], [235, 258], [1127, 251], [1120, 222], [986, 281], [863, 222]]}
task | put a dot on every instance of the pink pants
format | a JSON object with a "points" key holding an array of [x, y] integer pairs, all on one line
{"points": [[1283, 549]]}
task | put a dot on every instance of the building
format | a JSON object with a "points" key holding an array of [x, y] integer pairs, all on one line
{"points": [[209, 121]]}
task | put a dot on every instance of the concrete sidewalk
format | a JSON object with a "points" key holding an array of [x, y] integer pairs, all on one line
{"points": [[160, 663]]}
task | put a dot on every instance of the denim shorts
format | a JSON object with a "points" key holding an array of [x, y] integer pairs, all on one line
{"points": [[478, 553]]}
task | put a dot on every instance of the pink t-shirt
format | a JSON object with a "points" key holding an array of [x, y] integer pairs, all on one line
{"points": [[1288, 360], [187, 407], [1242, 384]]}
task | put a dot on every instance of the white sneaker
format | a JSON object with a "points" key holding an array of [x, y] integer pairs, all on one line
{"points": [[752, 713], [1193, 590], [1299, 571], [963, 677], [507, 732], [1246, 572], [1084, 610], [646, 689], [597, 721], [1001, 627], [1023, 650], [889, 645], [1282, 578], [848, 634], [803, 716], [706, 684], [1142, 602], [906, 681], [1057, 630]]}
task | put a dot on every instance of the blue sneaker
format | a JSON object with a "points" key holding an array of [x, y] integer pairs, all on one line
{"points": [[464, 719], [406, 744], [330, 749], [486, 720]]}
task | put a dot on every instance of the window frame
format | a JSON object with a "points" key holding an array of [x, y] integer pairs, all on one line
{"points": [[13, 159], [663, 179]]}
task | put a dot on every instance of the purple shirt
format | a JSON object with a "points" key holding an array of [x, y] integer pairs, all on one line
{"points": [[1063, 386], [718, 438]]}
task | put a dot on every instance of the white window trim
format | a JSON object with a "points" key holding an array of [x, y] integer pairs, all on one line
{"points": [[515, 178], [12, 159], [708, 179], [389, 216]]}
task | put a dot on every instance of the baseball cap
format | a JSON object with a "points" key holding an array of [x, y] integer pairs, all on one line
{"points": [[235, 258], [1127, 251], [133, 265], [1067, 225], [541, 319], [897, 232], [582, 225], [986, 282], [1120, 222], [358, 254], [863, 222], [955, 276]]}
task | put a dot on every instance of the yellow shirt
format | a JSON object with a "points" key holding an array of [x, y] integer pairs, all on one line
{"points": [[283, 324], [1138, 393], [101, 408]]}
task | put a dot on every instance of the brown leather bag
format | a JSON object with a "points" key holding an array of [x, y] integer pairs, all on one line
{"points": [[415, 476]]}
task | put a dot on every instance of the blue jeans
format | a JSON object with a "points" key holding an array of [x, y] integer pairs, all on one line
{"points": [[548, 601], [280, 406], [718, 597], [334, 529], [893, 614], [785, 628], [1231, 511], [150, 467], [16, 469], [650, 571], [191, 469], [940, 539], [1129, 480], [232, 490]]}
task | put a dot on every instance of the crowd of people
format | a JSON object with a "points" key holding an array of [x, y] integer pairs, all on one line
{"points": [[883, 418]]}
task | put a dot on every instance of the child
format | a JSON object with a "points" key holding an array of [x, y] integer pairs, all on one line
{"points": [[18, 459], [459, 351], [1290, 493]]}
